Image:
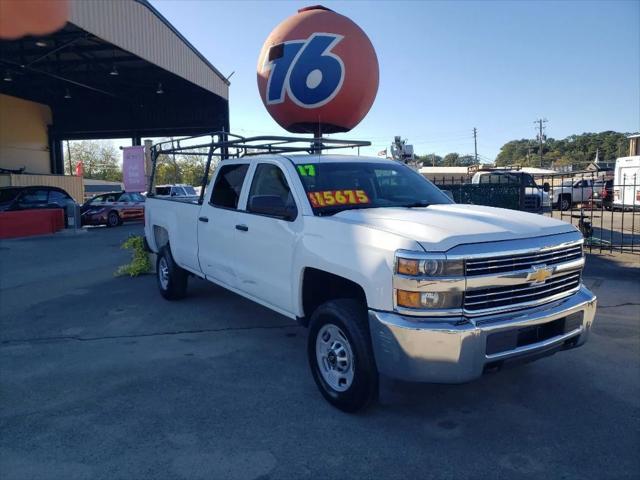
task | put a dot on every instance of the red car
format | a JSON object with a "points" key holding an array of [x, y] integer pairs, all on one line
{"points": [[111, 209]]}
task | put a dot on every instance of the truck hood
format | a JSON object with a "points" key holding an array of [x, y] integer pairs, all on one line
{"points": [[442, 227]]}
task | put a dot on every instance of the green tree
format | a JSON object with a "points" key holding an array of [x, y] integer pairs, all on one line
{"points": [[450, 159], [430, 160], [577, 150], [99, 158], [178, 168], [465, 161]]}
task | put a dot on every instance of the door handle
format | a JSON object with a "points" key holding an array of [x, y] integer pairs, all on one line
{"points": [[242, 228], [203, 219]]}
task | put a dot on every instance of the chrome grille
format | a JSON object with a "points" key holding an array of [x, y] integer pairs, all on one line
{"points": [[512, 263], [497, 297], [531, 202]]}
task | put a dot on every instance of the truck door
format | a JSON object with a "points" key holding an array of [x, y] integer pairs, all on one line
{"points": [[582, 191], [217, 222], [270, 225]]}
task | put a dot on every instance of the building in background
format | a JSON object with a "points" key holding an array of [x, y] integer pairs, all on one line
{"points": [[116, 70]]}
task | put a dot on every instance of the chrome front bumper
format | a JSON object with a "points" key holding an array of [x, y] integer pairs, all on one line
{"points": [[455, 350]]}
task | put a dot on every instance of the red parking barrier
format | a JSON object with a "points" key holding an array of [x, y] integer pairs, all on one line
{"points": [[25, 223]]}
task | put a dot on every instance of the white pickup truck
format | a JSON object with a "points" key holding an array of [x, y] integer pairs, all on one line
{"points": [[389, 275], [572, 191]]}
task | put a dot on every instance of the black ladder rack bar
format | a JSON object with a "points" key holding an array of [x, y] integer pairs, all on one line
{"points": [[227, 145]]}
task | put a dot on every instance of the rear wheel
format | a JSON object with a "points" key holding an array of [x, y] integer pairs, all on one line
{"points": [[340, 355], [113, 219], [172, 280]]}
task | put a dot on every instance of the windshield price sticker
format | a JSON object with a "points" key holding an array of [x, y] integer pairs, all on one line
{"points": [[328, 198], [307, 170]]}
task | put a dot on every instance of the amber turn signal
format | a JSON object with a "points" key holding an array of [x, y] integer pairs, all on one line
{"points": [[408, 266], [408, 299]]}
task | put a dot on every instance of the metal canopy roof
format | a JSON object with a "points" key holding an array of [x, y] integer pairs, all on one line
{"points": [[137, 27], [117, 69]]}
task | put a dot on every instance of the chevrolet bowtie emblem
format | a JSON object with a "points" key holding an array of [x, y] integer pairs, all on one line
{"points": [[540, 274]]}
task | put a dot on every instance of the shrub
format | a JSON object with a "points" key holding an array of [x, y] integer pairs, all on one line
{"points": [[140, 263]]}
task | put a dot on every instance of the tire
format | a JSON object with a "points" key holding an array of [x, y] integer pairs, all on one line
{"points": [[340, 355], [564, 203], [113, 219], [172, 280]]}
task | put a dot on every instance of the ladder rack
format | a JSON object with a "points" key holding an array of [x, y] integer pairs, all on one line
{"points": [[225, 145]]}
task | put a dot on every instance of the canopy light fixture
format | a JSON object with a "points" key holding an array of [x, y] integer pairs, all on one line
{"points": [[67, 94], [159, 91], [114, 71], [41, 43], [7, 76]]}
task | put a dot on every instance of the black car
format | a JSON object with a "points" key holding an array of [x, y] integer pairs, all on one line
{"points": [[602, 195], [29, 198]]}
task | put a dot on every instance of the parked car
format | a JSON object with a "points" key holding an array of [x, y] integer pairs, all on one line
{"points": [[603, 194], [111, 209], [29, 198], [390, 277], [536, 198], [178, 190], [572, 191]]}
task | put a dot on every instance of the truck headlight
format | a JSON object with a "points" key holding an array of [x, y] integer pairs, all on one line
{"points": [[429, 266], [428, 283], [430, 300]]}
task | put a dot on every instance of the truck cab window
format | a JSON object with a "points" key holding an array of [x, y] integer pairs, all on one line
{"points": [[270, 188], [226, 189]]}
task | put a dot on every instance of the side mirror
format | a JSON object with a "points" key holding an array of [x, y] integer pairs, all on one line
{"points": [[546, 187], [271, 205]]}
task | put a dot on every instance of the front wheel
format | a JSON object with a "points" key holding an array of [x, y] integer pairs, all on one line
{"points": [[565, 202], [340, 355], [172, 280]]}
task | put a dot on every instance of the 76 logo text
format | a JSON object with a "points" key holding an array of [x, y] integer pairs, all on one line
{"points": [[307, 71]]}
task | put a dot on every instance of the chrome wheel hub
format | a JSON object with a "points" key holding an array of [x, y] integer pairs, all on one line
{"points": [[163, 273], [334, 357]]}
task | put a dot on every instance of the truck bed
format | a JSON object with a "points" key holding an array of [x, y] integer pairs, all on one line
{"points": [[178, 216]]}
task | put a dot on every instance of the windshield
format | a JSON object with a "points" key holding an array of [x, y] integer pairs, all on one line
{"points": [[333, 187], [508, 178]]}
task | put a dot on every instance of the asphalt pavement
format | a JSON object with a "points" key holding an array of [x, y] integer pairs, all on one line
{"points": [[100, 378]]}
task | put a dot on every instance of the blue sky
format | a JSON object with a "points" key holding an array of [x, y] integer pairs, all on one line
{"points": [[446, 67]]}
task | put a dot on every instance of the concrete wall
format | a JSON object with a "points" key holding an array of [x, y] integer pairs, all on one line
{"points": [[23, 135]]}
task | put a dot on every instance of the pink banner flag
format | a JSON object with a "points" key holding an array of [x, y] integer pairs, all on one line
{"points": [[133, 169]]}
